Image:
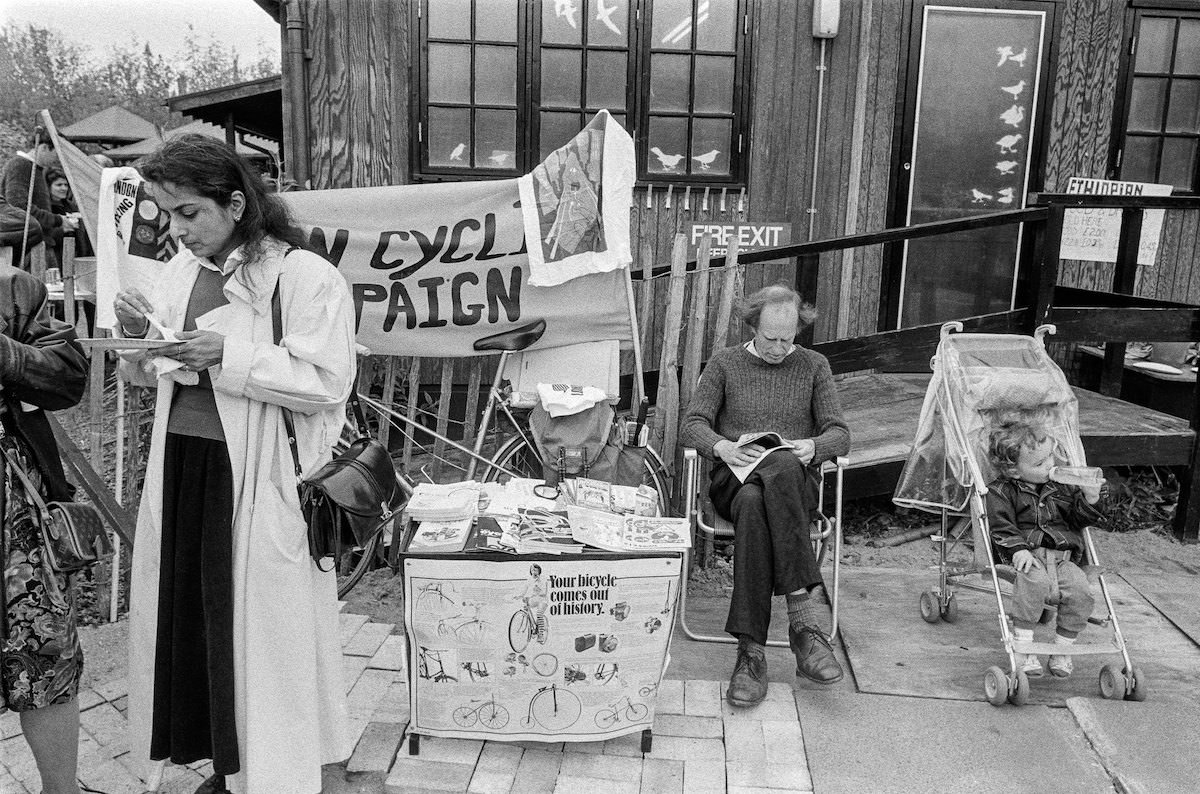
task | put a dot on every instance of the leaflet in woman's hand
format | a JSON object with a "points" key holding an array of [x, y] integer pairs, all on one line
{"points": [[769, 441]]}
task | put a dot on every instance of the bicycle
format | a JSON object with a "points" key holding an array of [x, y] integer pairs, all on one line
{"points": [[518, 456], [470, 632], [475, 670], [525, 625], [433, 591], [425, 668], [553, 708], [488, 712], [611, 714]]}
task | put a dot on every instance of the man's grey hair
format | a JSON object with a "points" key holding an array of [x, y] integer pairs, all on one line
{"points": [[750, 308]]}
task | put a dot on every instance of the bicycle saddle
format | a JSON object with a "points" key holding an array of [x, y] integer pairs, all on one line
{"points": [[513, 340]]}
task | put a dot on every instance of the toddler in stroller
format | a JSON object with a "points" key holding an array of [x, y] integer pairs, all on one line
{"points": [[1036, 526]]}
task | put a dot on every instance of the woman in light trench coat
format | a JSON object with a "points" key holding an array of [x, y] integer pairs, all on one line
{"points": [[234, 651]]}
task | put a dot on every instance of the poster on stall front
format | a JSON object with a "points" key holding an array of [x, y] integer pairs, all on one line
{"points": [[568, 649], [433, 268]]}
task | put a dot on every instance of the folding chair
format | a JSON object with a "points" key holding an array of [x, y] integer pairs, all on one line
{"points": [[710, 526]]}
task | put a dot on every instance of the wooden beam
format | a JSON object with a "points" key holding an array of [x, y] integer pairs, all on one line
{"points": [[115, 515]]}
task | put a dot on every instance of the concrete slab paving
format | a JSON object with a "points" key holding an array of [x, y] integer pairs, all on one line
{"points": [[1144, 747], [1174, 595], [877, 743]]}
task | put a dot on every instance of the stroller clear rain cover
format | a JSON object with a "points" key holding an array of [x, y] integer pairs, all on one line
{"points": [[979, 382]]}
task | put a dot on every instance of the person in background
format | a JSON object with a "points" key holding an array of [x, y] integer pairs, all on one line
{"points": [[770, 384], [234, 641], [42, 367], [26, 171], [63, 203]]}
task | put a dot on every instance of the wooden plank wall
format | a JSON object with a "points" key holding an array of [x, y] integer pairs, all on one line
{"points": [[358, 89]]}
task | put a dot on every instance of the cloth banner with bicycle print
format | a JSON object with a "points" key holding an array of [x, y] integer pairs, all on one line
{"points": [[434, 267], [567, 649]]}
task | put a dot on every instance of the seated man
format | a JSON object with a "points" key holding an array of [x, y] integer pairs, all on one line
{"points": [[770, 384]]}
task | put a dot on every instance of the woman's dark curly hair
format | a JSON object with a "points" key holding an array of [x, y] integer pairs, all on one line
{"points": [[211, 168]]}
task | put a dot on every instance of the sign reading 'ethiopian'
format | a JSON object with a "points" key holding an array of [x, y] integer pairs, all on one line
{"points": [[432, 268]]}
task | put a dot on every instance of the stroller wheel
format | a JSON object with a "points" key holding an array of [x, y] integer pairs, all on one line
{"points": [[1112, 682], [950, 611], [1020, 694], [995, 686], [1136, 686], [930, 609]]}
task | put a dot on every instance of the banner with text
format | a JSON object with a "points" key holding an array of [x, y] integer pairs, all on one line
{"points": [[433, 268]]}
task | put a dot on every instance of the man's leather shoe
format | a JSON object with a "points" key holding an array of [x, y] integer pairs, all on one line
{"points": [[814, 656], [748, 686], [215, 784]]}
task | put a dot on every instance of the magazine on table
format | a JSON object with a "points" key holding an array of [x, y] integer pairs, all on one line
{"points": [[487, 535], [769, 441], [616, 532], [545, 532], [440, 536]]}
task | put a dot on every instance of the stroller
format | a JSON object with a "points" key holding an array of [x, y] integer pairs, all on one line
{"points": [[980, 380]]}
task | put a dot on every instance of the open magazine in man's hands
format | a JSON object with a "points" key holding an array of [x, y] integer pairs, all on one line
{"points": [[769, 441]]}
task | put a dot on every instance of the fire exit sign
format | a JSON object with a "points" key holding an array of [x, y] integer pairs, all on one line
{"points": [[749, 236]]}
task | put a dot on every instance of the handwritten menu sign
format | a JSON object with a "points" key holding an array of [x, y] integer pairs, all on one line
{"points": [[1092, 234]]}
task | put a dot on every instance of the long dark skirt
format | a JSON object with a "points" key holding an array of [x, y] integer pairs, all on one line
{"points": [[193, 666]]}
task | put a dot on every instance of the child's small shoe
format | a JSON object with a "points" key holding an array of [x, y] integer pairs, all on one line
{"points": [[1061, 666], [1031, 665]]}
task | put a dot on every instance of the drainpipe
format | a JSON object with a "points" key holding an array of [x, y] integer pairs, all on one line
{"points": [[816, 159], [296, 99]]}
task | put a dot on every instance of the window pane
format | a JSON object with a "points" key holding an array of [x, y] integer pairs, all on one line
{"points": [[495, 139], [557, 129], [1184, 115], [449, 136], [1138, 161], [672, 24], [496, 75], [608, 22], [1178, 163], [716, 27], [450, 73], [560, 21], [606, 79], [1156, 36], [1146, 106], [495, 20], [1187, 52], [561, 73], [668, 146], [450, 19], [714, 84], [669, 82], [711, 146]]}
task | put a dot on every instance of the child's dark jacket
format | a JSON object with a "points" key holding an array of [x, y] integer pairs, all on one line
{"points": [[1024, 516]]}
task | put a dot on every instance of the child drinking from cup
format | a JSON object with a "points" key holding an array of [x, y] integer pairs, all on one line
{"points": [[1035, 526]]}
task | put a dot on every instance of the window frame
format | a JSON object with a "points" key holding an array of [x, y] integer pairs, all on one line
{"points": [[1138, 11], [529, 106]]}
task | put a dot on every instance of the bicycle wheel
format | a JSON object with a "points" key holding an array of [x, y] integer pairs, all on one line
{"points": [[606, 718], [520, 630], [493, 715], [556, 709], [545, 664], [636, 711], [523, 459], [465, 716], [473, 633]]}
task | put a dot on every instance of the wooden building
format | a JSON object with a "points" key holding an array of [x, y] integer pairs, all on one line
{"points": [[893, 113]]}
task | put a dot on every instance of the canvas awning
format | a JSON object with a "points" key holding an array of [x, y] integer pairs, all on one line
{"points": [[113, 125]]}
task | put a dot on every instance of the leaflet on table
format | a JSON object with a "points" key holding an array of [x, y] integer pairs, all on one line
{"points": [[614, 532], [768, 441], [568, 649], [487, 535], [452, 501], [540, 531], [586, 492], [440, 536]]}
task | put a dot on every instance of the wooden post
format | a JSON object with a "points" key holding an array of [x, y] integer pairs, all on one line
{"points": [[1124, 274], [728, 295], [697, 326], [67, 271], [388, 397], [414, 395], [666, 412], [1043, 299], [37, 262], [103, 572], [474, 381], [443, 415], [114, 604]]}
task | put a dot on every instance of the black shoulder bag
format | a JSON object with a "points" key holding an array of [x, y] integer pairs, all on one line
{"points": [[73, 536], [352, 498]]}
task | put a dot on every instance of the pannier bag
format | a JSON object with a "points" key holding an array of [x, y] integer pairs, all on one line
{"points": [[585, 444]]}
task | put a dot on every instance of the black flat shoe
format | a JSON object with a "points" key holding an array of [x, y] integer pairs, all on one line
{"points": [[814, 656], [748, 685]]}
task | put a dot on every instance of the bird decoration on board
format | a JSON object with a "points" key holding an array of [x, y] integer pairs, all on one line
{"points": [[1008, 144], [1016, 89], [565, 9], [456, 153], [1005, 196], [1006, 55], [1013, 116], [1007, 166], [669, 161], [604, 15], [706, 160], [978, 196], [498, 158]]}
